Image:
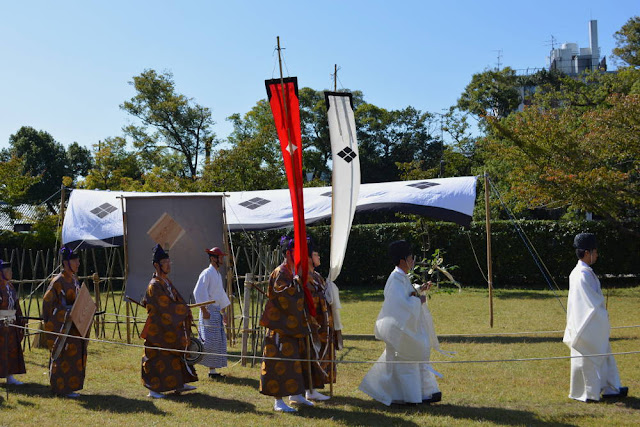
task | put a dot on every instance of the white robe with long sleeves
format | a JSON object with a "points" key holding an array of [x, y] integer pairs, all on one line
{"points": [[587, 332], [210, 287], [406, 327]]}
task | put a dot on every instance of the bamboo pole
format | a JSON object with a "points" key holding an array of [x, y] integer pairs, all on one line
{"points": [[245, 318], [126, 268], [96, 291], [489, 263]]}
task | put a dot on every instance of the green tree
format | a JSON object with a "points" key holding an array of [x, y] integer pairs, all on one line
{"points": [[115, 167], [254, 159], [492, 93], [389, 137], [79, 160], [568, 157], [628, 42], [14, 185], [169, 121], [42, 157]]}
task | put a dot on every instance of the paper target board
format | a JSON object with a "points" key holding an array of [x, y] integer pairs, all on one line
{"points": [[184, 224]]}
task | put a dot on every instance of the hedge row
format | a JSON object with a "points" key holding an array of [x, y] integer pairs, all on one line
{"points": [[366, 262]]}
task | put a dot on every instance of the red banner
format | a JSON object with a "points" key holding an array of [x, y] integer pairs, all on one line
{"points": [[283, 98]]}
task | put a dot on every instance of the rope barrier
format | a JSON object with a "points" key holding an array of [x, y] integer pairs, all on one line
{"points": [[337, 361]]}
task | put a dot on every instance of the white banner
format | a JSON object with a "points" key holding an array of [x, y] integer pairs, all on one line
{"points": [[94, 218]]}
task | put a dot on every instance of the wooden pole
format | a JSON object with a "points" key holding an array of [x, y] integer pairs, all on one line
{"points": [[245, 318], [335, 77], [331, 364], [126, 268], [128, 305], [309, 362], [230, 313], [58, 258], [96, 291], [489, 263]]}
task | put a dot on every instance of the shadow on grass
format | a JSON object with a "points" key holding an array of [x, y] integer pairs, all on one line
{"points": [[335, 410], [500, 416], [629, 402], [241, 381], [361, 294], [508, 339], [205, 401], [527, 295], [118, 404]]}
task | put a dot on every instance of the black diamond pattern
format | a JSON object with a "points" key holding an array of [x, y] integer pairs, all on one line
{"points": [[254, 203], [347, 154], [327, 194], [423, 185], [103, 210]]}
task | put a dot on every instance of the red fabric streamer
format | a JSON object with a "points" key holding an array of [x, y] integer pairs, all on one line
{"points": [[283, 98]]}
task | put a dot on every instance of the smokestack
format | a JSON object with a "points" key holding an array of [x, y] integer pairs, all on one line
{"points": [[593, 44]]}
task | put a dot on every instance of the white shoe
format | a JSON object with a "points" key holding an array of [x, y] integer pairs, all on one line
{"points": [[298, 398], [316, 395], [280, 406], [72, 395], [11, 380], [185, 387], [155, 395]]}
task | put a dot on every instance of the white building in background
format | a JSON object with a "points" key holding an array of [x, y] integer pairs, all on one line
{"points": [[572, 60]]}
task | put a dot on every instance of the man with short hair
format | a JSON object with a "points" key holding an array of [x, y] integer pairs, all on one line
{"points": [[11, 357], [168, 326], [67, 369], [588, 329], [406, 327], [209, 287]]}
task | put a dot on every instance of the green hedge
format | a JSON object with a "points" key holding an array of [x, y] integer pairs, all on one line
{"points": [[366, 263]]}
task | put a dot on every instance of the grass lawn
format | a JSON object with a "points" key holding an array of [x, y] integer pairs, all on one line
{"points": [[500, 393]]}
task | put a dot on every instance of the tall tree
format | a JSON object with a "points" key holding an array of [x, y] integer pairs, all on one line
{"points": [[389, 137], [628, 42], [169, 120], [253, 161], [43, 157], [492, 93], [115, 167], [14, 185], [79, 160], [584, 160]]}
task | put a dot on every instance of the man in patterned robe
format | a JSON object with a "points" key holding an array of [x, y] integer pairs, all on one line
{"points": [[168, 326], [287, 322], [66, 369], [324, 318], [11, 357]]}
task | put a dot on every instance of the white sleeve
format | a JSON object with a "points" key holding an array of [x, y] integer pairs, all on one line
{"points": [[217, 290], [201, 291]]}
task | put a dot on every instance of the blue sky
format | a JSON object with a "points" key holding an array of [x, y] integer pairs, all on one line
{"points": [[66, 64]]}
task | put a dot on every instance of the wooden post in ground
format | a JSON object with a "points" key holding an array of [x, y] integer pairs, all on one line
{"points": [[248, 281], [96, 291], [489, 263]]}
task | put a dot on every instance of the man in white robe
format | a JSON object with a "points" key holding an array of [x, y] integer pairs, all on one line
{"points": [[587, 330], [211, 326], [406, 327]]}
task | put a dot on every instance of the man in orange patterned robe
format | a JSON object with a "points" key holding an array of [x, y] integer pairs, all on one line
{"points": [[324, 318], [11, 357], [168, 326], [287, 323], [67, 370]]}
